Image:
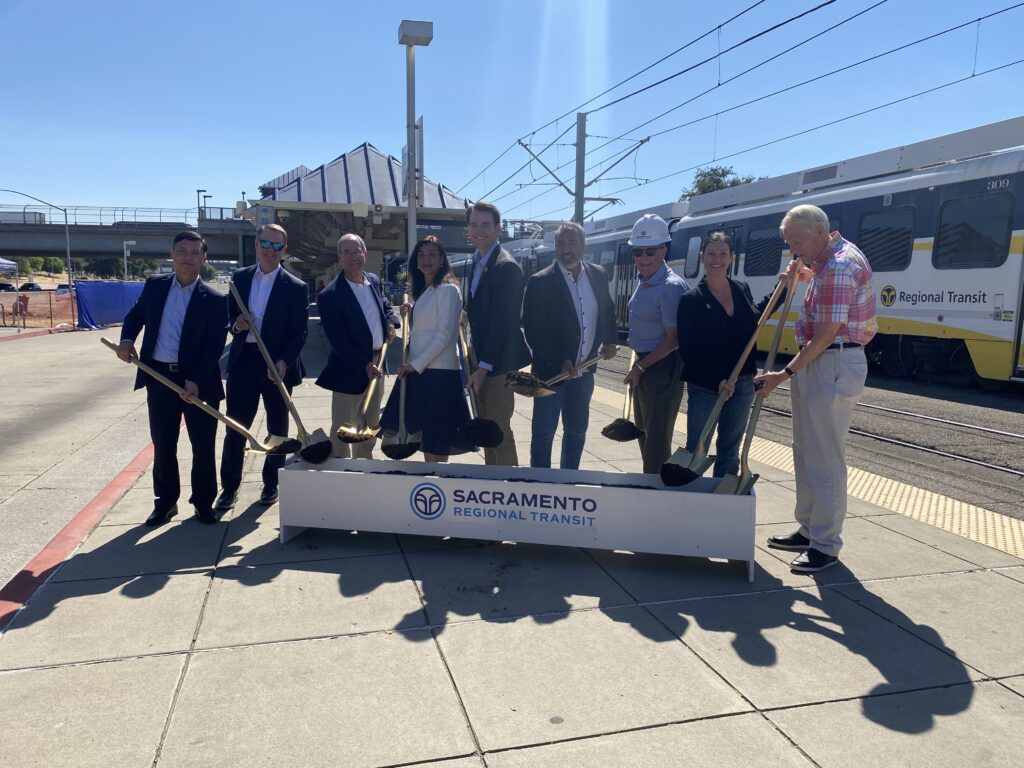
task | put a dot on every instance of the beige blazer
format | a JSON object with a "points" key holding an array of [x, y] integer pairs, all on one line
{"points": [[435, 329]]}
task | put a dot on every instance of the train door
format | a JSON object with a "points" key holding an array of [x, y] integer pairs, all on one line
{"points": [[736, 235], [622, 284], [1018, 362]]}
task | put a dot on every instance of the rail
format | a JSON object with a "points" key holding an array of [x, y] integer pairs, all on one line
{"points": [[39, 215]]}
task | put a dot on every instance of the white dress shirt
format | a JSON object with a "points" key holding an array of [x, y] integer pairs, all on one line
{"points": [[168, 338], [368, 302], [584, 301], [259, 294]]}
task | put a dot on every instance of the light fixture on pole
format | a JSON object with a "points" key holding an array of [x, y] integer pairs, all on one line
{"points": [[67, 244], [127, 251], [198, 203], [411, 34], [205, 198]]}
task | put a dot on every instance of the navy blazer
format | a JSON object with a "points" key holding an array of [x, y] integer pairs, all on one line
{"points": [[203, 333], [550, 322], [349, 337], [494, 312], [285, 321]]}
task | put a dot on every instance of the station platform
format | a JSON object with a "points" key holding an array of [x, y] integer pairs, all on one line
{"points": [[195, 645]]}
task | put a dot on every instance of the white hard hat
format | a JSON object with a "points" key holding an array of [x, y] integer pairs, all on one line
{"points": [[649, 230]]}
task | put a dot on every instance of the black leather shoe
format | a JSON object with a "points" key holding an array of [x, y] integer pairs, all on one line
{"points": [[269, 496], [159, 517], [226, 501], [207, 516]]}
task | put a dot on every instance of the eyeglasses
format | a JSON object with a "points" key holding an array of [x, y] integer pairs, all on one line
{"points": [[277, 247], [638, 252]]}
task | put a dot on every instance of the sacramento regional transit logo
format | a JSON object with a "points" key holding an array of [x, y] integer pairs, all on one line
{"points": [[427, 501], [888, 296]]}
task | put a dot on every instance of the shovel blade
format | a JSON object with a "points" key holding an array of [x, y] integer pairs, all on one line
{"points": [[737, 485], [698, 462]]}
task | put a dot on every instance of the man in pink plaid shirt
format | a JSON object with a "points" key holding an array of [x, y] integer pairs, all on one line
{"points": [[836, 322]]}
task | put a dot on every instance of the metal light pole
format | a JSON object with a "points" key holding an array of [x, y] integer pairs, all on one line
{"points": [[127, 250], [205, 198], [411, 34], [198, 204], [67, 245]]}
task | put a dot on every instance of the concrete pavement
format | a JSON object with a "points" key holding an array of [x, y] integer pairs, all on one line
{"points": [[194, 645]]}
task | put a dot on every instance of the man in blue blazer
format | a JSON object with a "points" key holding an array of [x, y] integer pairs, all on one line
{"points": [[568, 315], [185, 325], [356, 318], [277, 302], [494, 303]]}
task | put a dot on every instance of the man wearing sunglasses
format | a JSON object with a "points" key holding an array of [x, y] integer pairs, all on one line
{"points": [[277, 305], [655, 377]]}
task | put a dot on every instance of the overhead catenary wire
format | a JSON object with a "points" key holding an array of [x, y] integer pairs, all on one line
{"points": [[794, 86], [605, 92]]}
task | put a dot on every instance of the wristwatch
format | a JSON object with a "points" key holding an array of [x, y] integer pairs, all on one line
{"points": [[789, 372], [642, 369]]}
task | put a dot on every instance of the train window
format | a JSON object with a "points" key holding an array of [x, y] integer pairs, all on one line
{"points": [[973, 232], [764, 252], [607, 259], [887, 238], [692, 257]]}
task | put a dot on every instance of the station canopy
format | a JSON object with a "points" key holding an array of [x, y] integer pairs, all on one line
{"points": [[362, 192]]}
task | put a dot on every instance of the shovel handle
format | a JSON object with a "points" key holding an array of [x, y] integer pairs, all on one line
{"points": [[465, 353], [371, 387], [202, 405], [272, 367], [565, 374], [627, 404], [406, 328]]}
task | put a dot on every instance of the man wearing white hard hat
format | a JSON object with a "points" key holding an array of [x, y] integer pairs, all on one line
{"points": [[655, 377]]}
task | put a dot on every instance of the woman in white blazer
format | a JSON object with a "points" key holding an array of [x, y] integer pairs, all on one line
{"points": [[435, 401]]}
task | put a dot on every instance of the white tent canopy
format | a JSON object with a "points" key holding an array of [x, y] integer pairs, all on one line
{"points": [[8, 267]]}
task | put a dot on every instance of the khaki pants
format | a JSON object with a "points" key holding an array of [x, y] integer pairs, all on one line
{"points": [[495, 401], [344, 410], [656, 404], [823, 396]]}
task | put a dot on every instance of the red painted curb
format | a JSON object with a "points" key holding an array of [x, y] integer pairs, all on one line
{"points": [[19, 589], [31, 334]]}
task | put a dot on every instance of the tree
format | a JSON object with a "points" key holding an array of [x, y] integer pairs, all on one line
{"points": [[53, 264], [207, 272], [28, 265], [712, 178]]}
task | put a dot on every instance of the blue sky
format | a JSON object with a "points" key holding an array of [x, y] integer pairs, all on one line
{"points": [[138, 104]]}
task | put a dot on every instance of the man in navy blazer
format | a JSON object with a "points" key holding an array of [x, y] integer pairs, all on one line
{"points": [[357, 318], [568, 315], [277, 302], [185, 325], [494, 303]]}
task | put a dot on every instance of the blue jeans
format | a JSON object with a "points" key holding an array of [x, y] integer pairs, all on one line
{"points": [[732, 422], [572, 401]]}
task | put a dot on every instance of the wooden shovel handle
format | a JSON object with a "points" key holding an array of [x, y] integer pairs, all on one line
{"points": [[565, 374]]}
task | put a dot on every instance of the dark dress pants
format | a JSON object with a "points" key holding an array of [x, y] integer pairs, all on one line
{"points": [[165, 411], [247, 383]]}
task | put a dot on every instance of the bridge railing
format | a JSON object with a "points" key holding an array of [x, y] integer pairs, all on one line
{"points": [[111, 215]]}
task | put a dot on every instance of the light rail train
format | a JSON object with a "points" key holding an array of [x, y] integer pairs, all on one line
{"points": [[940, 221]]}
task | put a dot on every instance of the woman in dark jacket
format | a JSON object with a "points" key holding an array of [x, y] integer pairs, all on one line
{"points": [[715, 321]]}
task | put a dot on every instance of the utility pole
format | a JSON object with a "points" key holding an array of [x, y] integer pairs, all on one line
{"points": [[581, 154]]}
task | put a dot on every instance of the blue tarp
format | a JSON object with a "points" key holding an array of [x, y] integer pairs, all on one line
{"points": [[103, 302]]}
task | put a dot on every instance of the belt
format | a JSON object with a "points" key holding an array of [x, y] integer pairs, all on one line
{"points": [[840, 345], [172, 367], [376, 350]]}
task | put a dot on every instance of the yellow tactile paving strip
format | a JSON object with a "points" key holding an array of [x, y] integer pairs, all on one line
{"points": [[981, 525]]}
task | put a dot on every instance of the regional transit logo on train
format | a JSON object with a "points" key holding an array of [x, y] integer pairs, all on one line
{"points": [[889, 296], [428, 501]]}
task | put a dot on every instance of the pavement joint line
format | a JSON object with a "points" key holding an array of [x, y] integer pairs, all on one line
{"points": [[38, 571], [924, 543], [882, 695], [967, 520]]}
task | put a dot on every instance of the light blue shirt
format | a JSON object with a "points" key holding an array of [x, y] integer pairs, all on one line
{"points": [[653, 307], [479, 263], [168, 338]]}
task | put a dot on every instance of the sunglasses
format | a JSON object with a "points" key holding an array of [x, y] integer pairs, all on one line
{"points": [[277, 247], [638, 252]]}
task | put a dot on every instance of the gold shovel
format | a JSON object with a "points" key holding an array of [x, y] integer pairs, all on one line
{"points": [[483, 433], [529, 385], [685, 467], [740, 485], [359, 432], [275, 443], [402, 445], [623, 430], [316, 448]]}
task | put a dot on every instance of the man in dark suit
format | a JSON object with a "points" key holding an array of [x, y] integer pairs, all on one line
{"points": [[185, 325], [277, 306], [357, 318], [494, 303], [567, 316]]}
